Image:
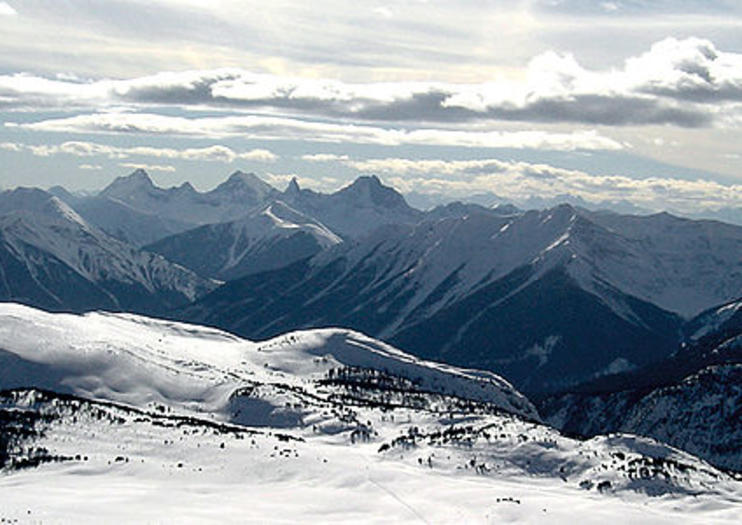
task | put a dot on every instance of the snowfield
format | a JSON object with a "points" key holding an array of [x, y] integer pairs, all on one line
{"points": [[123, 418]]}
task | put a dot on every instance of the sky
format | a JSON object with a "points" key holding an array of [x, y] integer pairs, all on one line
{"points": [[622, 101]]}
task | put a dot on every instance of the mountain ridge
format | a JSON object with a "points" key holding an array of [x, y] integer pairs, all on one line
{"points": [[53, 257]]}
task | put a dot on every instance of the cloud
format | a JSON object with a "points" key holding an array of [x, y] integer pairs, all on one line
{"points": [[280, 128], [557, 89], [90, 167], [692, 70], [147, 167], [215, 153], [11, 146], [7, 10], [677, 82], [520, 181], [383, 11], [320, 157]]}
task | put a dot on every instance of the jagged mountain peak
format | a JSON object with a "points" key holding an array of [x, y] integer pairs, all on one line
{"points": [[240, 178], [138, 177], [125, 186], [369, 190], [244, 187], [293, 187]]}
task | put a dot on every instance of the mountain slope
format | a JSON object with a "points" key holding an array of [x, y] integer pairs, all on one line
{"points": [[53, 258], [692, 400], [137, 417], [514, 294], [689, 266], [270, 238], [548, 298], [126, 224]]}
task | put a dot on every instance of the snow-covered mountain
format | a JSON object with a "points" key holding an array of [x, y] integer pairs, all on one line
{"points": [[233, 198], [127, 224], [51, 257], [715, 325], [122, 417], [520, 294], [681, 265], [120, 220], [272, 237], [692, 400], [134, 210], [355, 210]]}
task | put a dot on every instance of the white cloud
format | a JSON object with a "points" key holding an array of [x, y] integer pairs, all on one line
{"points": [[324, 157], [278, 128], [521, 180], [90, 167], [384, 12], [688, 83], [7, 10], [216, 153], [11, 146], [147, 167]]}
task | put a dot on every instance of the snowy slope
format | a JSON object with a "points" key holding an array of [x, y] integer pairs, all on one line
{"points": [[120, 220], [52, 257], [715, 324], [137, 360], [681, 265], [272, 237], [125, 223], [143, 419]]}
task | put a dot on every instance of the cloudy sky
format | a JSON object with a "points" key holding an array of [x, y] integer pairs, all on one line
{"points": [[604, 100]]}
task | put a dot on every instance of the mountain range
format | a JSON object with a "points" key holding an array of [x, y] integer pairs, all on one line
{"points": [[608, 322], [548, 298]]}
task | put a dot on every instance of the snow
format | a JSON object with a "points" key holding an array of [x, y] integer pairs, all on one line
{"points": [[681, 266], [139, 361], [348, 488], [232, 199], [161, 430], [712, 321], [276, 220], [34, 220]]}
